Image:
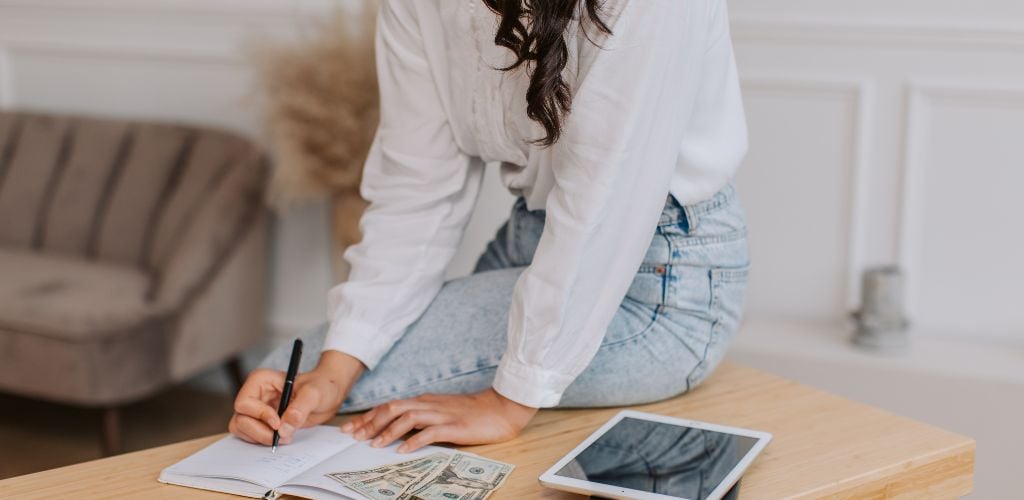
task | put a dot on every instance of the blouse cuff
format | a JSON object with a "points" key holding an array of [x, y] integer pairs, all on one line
{"points": [[360, 340], [529, 385]]}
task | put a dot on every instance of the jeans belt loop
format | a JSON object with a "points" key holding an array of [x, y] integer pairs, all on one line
{"points": [[691, 218]]}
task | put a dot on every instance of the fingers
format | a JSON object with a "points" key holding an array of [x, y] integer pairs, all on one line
{"points": [[254, 408], [413, 419], [446, 433], [360, 422], [260, 390], [348, 426], [383, 415], [357, 421], [262, 382], [306, 401], [252, 430]]}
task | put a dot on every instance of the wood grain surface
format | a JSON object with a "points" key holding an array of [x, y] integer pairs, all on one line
{"points": [[824, 447]]}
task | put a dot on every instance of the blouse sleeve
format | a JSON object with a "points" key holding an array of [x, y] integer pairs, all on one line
{"points": [[633, 97], [421, 190]]}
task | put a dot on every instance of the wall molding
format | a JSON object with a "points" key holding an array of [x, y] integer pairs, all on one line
{"points": [[921, 97], [870, 33], [861, 92]]}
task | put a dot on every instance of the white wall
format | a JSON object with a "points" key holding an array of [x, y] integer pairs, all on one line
{"points": [[891, 132], [886, 132]]}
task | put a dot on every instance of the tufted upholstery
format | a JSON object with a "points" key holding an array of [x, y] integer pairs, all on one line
{"points": [[131, 254]]}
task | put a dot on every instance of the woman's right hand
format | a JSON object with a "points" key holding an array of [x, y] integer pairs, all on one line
{"points": [[316, 398]]}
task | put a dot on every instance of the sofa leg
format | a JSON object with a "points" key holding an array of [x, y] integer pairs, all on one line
{"points": [[234, 368], [110, 431]]}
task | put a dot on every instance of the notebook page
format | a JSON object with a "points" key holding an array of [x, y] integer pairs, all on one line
{"points": [[233, 458], [360, 456]]}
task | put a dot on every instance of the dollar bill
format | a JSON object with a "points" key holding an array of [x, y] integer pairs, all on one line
{"points": [[359, 475], [463, 477], [390, 481]]}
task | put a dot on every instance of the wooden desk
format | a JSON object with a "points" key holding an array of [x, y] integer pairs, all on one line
{"points": [[824, 446]]}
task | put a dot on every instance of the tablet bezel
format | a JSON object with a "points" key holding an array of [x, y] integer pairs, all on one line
{"points": [[551, 480]]}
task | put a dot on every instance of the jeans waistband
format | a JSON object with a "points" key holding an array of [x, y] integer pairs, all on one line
{"points": [[675, 213]]}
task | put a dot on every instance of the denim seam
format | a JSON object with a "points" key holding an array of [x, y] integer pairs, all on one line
{"points": [[705, 207], [671, 223], [720, 199], [640, 334], [703, 358], [667, 267], [731, 275], [685, 344], [711, 240], [711, 205], [711, 334], [692, 218]]}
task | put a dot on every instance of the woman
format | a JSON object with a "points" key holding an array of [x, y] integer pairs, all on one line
{"points": [[619, 276]]}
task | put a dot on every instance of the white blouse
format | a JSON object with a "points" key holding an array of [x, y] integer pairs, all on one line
{"points": [[656, 110]]}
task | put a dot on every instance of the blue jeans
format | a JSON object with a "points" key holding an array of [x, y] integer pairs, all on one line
{"points": [[671, 330]]}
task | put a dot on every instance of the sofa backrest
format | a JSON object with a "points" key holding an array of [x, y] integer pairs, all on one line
{"points": [[107, 189]]}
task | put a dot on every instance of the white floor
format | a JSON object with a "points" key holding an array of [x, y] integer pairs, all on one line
{"points": [[975, 389]]}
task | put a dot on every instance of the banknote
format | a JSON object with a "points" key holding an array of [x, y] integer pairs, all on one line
{"points": [[464, 477], [389, 482], [359, 475]]}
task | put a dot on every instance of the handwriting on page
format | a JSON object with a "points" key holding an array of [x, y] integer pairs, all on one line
{"points": [[232, 457], [288, 463]]}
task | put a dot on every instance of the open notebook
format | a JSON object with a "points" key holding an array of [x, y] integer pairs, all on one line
{"points": [[300, 468]]}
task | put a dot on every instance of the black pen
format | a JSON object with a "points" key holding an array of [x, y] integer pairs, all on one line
{"points": [[289, 381]]}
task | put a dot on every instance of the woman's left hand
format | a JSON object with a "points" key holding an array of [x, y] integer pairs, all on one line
{"points": [[484, 417]]}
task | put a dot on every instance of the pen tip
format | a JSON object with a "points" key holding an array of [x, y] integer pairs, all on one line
{"points": [[274, 449]]}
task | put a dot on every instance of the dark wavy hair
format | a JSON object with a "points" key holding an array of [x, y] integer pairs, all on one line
{"points": [[534, 30]]}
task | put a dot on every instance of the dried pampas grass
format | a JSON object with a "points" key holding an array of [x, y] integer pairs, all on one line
{"points": [[321, 107], [320, 102]]}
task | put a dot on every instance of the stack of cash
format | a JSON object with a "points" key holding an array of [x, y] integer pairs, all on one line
{"points": [[440, 476]]}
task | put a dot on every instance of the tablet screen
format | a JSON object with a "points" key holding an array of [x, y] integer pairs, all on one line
{"points": [[660, 458]]}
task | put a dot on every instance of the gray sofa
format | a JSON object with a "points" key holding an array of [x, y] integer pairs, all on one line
{"points": [[132, 256]]}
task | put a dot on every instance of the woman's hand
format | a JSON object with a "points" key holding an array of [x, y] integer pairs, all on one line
{"points": [[316, 397], [484, 417]]}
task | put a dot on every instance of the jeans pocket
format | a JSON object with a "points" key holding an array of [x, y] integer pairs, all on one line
{"points": [[631, 322], [728, 292], [689, 288]]}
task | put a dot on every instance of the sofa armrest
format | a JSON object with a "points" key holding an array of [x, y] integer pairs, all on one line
{"points": [[232, 208]]}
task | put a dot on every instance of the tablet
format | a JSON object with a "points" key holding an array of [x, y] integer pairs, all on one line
{"points": [[647, 456]]}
